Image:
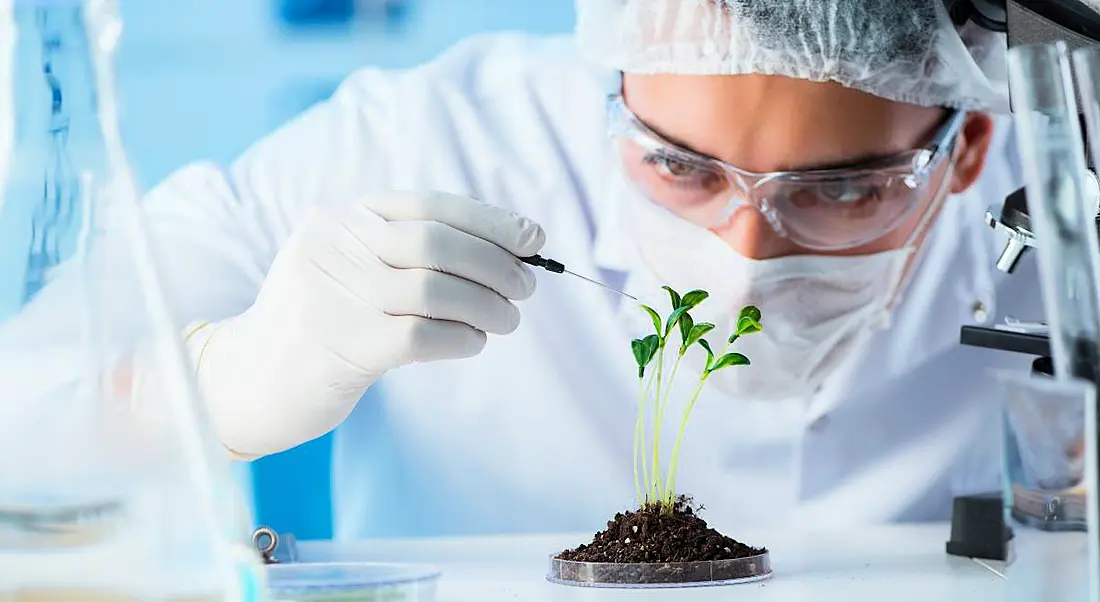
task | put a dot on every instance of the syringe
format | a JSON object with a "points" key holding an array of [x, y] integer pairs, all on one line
{"points": [[558, 268]]}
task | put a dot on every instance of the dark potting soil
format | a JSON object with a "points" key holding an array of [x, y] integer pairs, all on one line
{"points": [[649, 536]]}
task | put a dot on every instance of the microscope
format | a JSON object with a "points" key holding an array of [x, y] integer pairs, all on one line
{"points": [[978, 525], [1026, 22]]}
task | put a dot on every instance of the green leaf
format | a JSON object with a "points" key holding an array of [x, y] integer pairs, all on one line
{"points": [[686, 324], [694, 298], [653, 345], [673, 318], [697, 332], [729, 359], [747, 325], [639, 349], [645, 349], [653, 316], [733, 337], [674, 297], [710, 352], [750, 311]]}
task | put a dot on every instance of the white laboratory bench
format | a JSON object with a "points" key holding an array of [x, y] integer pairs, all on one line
{"points": [[891, 564]]}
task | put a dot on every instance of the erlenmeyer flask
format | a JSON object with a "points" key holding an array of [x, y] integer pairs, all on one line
{"points": [[112, 486]]}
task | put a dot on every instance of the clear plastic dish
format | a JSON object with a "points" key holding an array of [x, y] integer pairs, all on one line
{"points": [[352, 582], [654, 575]]}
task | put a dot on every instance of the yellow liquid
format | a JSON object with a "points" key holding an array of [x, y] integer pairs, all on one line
{"points": [[89, 595]]}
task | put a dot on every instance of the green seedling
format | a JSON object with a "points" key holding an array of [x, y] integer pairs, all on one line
{"points": [[654, 391]]}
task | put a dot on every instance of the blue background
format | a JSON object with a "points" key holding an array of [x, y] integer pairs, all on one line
{"points": [[204, 78]]}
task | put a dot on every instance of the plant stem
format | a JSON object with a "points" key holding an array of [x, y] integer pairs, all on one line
{"points": [[661, 406], [639, 435], [670, 486], [668, 392], [656, 472]]}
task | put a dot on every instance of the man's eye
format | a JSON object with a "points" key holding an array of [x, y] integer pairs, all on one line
{"points": [[674, 168], [845, 193]]}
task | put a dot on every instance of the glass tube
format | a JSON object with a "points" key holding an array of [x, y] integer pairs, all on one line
{"points": [[1053, 155], [1063, 215], [1086, 62]]}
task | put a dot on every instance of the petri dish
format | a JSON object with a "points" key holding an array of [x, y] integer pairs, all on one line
{"points": [[660, 574], [352, 582]]}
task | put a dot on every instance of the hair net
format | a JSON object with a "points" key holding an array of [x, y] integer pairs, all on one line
{"points": [[903, 50]]}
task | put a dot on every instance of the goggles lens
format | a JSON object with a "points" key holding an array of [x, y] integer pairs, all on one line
{"points": [[819, 210]]}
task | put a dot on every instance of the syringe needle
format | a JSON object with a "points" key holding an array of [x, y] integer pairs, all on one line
{"points": [[556, 267], [597, 283]]}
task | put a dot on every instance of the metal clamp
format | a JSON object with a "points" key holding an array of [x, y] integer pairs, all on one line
{"points": [[1019, 240], [267, 550]]}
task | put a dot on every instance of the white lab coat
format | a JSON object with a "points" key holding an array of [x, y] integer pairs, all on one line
{"points": [[535, 433]]}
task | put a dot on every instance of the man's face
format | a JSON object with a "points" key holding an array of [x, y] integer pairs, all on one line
{"points": [[765, 124]]}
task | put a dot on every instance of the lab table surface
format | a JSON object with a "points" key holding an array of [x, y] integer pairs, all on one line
{"points": [[880, 564]]}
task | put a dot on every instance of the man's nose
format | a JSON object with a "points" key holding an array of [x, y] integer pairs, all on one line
{"points": [[751, 235]]}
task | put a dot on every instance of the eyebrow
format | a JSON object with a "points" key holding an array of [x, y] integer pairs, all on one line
{"points": [[861, 161]]}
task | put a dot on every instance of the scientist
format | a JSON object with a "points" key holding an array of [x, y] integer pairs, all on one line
{"points": [[828, 161]]}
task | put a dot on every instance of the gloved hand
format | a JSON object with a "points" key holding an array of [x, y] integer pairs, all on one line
{"points": [[390, 280]]}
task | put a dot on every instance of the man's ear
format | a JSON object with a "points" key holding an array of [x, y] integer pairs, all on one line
{"points": [[971, 151]]}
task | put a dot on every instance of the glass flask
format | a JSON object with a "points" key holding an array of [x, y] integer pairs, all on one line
{"points": [[112, 485]]}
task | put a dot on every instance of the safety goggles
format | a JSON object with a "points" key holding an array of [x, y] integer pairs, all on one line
{"points": [[828, 209]]}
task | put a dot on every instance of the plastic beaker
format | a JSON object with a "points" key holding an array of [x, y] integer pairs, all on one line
{"points": [[1045, 455]]}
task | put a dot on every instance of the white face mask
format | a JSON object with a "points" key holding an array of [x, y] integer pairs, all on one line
{"points": [[815, 309]]}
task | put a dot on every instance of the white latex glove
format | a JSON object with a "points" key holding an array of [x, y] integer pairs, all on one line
{"points": [[388, 281]]}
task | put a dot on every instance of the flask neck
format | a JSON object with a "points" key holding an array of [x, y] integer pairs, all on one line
{"points": [[54, 66], [58, 131]]}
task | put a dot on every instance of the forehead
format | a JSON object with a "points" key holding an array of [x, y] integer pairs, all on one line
{"points": [[771, 123]]}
